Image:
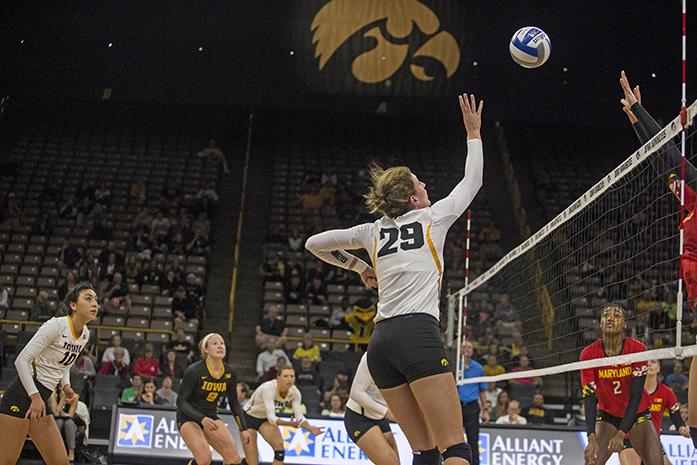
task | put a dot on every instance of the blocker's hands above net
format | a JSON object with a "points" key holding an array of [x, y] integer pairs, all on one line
{"points": [[631, 96]]}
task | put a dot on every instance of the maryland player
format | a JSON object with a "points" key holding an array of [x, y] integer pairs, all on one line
{"points": [[645, 128], [614, 396], [41, 366], [197, 405], [661, 398], [406, 356], [260, 413]]}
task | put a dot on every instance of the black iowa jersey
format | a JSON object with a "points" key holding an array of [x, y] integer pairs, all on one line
{"points": [[200, 392]]}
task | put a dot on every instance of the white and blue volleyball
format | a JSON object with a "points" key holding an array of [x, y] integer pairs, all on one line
{"points": [[530, 47]]}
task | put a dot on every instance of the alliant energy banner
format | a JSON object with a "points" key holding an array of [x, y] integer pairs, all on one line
{"points": [[152, 433]]}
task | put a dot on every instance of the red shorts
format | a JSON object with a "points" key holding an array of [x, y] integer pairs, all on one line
{"points": [[689, 276]]}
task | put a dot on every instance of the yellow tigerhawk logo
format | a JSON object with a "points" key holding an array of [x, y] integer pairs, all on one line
{"points": [[444, 362], [338, 20], [14, 408], [356, 433]]}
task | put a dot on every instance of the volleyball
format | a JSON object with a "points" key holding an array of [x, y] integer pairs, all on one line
{"points": [[530, 47]]}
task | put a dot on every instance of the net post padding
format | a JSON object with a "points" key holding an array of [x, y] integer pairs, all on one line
{"points": [[655, 354]]}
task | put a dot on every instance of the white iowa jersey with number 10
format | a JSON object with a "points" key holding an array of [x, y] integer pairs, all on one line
{"points": [[54, 348]]}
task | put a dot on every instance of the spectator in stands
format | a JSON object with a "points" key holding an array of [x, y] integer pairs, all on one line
{"points": [[515, 346], [501, 406], [338, 276], [147, 366], [524, 365], [109, 353], [506, 314], [243, 393], [66, 285], [271, 326], [160, 224], [274, 268], [165, 393], [307, 350], [307, 375], [68, 209], [199, 245], [132, 269], [170, 284], [310, 200], [492, 367], [177, 268], [294, 290], [4, 300], [336, 409], [64, 415], [11, 213], [296, 241], [677, 378], [89, 267], [316, 292], [513, 416], [181, 345], [269, 357], [137, 191], [213, 154], [489, 232], [149, 394], [202, 222], [183, 309], [579, 419], [69, 256], [107, 271], [116, 294], [207, 192], [536, 413], [171, 367], [341, 384], [83, 366], [272, 372], [118, 366], [40, 311], [193, 289], [132, 393], [492, 392], [104, 255]]}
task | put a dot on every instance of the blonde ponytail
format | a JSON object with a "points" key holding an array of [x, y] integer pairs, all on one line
{"points": [[391, 190]]}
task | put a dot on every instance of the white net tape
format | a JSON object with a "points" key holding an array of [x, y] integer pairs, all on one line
{"points": [[619, 241]]}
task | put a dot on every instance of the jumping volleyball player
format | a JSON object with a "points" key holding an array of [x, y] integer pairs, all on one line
{"points": [[260, 413], [661, 398], [615, 397], [646, 127], [406, 356], [197, 405], [41, 366], [366, 419]]}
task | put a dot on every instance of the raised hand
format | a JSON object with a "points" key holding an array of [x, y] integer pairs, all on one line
{"points": [[631, 96], [471, 115]]}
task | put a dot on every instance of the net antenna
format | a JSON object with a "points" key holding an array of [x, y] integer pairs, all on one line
{"points": [[619, 241], [683, 137]]}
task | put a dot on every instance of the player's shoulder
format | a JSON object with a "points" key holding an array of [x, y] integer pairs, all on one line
{"points": [[196, 368], [632, 345], [592, 350], [663, 390], [230, 373]]}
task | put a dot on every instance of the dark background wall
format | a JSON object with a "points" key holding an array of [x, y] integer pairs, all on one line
{"points": [[61, 49]]}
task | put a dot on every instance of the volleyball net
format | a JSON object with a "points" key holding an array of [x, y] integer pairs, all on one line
{"points": [[620, 242]]}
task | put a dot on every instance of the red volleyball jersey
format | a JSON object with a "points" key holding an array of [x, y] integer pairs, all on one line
{"points": [[662, 399], [690, 225], [612, 384]]}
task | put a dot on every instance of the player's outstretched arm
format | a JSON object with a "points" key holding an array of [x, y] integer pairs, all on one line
{"points": [[455, 204], [329, 246]]}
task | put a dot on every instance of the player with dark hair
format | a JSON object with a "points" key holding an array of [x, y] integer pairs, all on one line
{"points": [[260, 413], [661, 398], [645, 128], [614, 396], [197, 405], [43, 365], [406, 356]]}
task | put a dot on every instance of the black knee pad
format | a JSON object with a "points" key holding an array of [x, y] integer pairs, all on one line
{"points": [[461, 450], [426, 457], [279, 455]]}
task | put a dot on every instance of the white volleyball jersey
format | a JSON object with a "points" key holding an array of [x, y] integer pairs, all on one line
{"points": [[265, 401], [365, 397], [407, 251], [50, 353]]}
